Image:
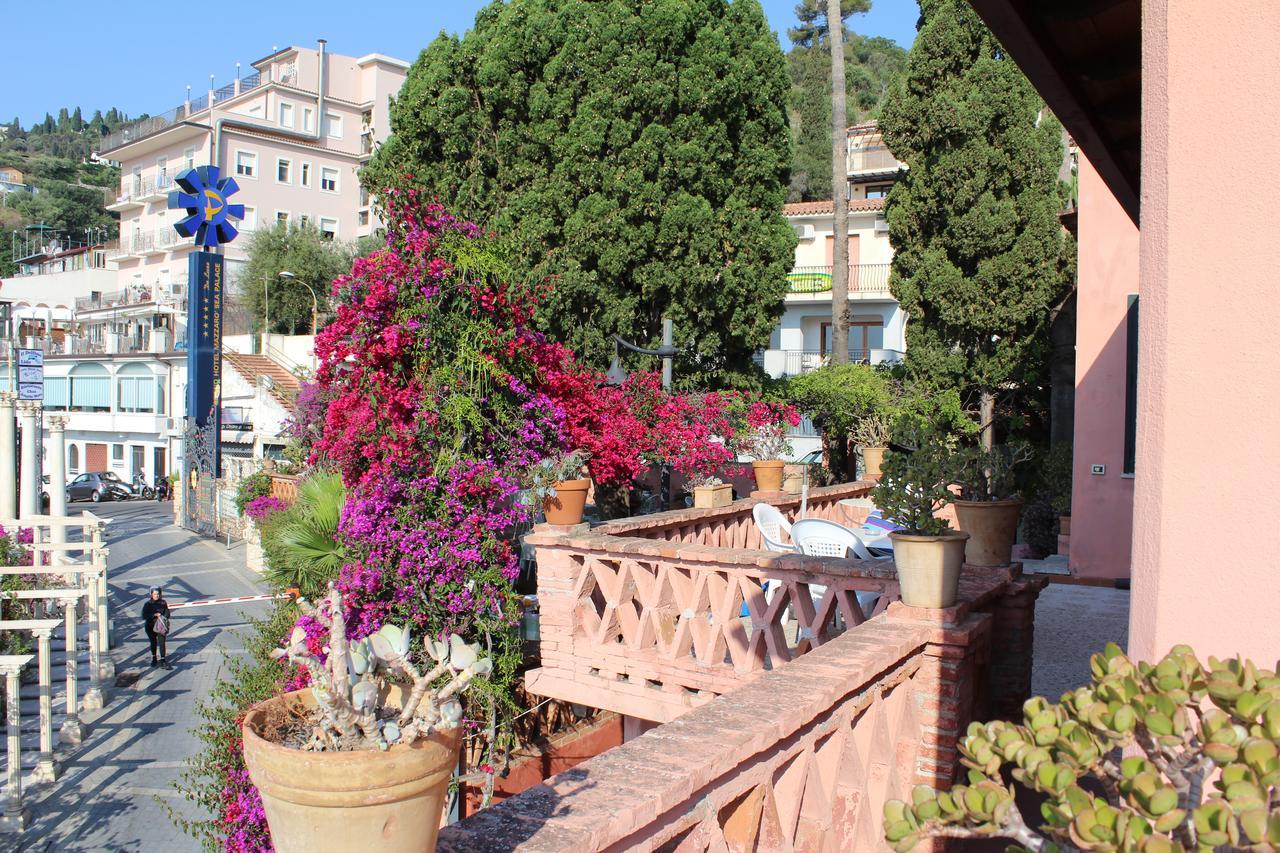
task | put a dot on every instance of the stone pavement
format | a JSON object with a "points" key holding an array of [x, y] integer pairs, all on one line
{"points": [[1073, 622], [111, 789]]}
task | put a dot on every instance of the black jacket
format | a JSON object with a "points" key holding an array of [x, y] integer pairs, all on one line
{"points": [[150, 609]]}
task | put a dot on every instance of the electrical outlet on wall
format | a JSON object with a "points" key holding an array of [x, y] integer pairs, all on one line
{"points": [[1098, 469]]}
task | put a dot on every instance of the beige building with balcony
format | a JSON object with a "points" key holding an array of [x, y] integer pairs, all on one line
{"points": [[877, 325], [293, 134]]}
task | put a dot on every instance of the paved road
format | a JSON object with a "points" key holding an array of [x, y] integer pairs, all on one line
{"points": [[137, 746]]}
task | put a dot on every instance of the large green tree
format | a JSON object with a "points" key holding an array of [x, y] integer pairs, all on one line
{"points": [[314, 262], [979, 253], [870, 65], [635, 153]]}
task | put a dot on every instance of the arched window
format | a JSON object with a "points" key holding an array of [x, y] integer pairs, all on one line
{"points": [[136, 387], [73, 459], [90, 388]]}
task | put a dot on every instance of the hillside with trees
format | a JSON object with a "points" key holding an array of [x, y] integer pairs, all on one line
{"points": [[55, 157], [871, 65]]}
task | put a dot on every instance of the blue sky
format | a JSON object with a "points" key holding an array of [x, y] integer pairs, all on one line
{"points": [[127, 55]]}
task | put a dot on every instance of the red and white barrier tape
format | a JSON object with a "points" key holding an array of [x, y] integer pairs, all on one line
{"points": [[233, 600]]}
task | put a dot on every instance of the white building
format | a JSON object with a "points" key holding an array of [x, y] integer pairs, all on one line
{"points": [[877, 325]]}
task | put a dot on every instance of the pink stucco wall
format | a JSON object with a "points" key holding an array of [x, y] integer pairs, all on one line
{"points": [[1205, 535], [1102, 504]]}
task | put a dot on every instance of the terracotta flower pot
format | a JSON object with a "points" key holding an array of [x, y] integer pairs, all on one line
{"points": [[928, 567], [872, 459], [710, 497], [992, 526], [359, 800], [768, 474], [566, 506]]}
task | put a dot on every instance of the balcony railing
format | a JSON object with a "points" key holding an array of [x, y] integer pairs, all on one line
{"points": [[872, 158], [154, 124], [863, 278], [794, 362]]}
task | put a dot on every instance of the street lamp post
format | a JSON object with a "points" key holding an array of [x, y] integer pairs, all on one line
{"points": [[667, 352], [315, 303]]}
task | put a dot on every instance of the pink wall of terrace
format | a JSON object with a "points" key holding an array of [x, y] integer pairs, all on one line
{"points": [[1209, 376], [1102, 505]]}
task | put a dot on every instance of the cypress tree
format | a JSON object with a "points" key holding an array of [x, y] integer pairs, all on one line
{"points": [[979, 254], [634, 152]]}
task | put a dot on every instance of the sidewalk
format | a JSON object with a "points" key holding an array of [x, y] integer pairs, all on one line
{"points": [[110, 792]]}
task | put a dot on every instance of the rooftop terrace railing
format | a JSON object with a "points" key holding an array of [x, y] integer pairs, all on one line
{"points": [[863, 278], [154, 124]]}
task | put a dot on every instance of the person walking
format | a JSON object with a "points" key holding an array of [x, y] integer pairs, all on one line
{"points": [[155, 619]]}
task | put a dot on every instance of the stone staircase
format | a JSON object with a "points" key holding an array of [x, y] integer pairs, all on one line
{"points": [[284, 385]]}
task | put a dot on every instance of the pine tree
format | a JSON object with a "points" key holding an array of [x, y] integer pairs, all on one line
{"points": [[979, 254], [77, 120], [634, 153]]}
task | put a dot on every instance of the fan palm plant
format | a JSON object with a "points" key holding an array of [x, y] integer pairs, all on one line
{"points": [[300, 543]]}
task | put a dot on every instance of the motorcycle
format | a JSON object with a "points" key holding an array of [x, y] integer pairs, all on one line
{"points": [[161, 491], [141, 489]]}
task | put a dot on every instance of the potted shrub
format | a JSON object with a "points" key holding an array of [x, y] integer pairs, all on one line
{"points": [[871, 436], [763, 437], [557, 483], [989, 504], [926, 552], [366, 752], [1056, 479]]}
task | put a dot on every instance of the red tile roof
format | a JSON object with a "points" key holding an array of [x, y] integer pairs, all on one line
{"points": [[820, 208]]}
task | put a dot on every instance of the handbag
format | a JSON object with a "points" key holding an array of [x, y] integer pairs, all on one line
{"points": [[160, 625]]}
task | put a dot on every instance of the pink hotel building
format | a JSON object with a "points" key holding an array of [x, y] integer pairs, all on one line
{"points": [[293, 134]]}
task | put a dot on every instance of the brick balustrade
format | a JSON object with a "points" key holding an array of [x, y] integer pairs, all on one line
{"points": [[653, 628], [802, 757], [732, 526]]}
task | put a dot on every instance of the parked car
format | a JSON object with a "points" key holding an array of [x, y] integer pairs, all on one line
{"points": [[98, 486]]}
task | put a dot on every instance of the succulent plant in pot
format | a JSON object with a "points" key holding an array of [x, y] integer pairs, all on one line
{"points": [[914, 485], [558, 484], [990, 504], [368, 749]]}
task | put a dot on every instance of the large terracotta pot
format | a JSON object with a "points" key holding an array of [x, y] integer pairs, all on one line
{"points": [[928, 567], [568, 503], [992, 526], [872, 459], [768, 474], [340, 801]]}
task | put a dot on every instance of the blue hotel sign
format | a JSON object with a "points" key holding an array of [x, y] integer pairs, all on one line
{"points": [[203, 195]]}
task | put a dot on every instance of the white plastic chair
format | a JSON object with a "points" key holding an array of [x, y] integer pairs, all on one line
{"points": [[818, 537], [772, 524]]}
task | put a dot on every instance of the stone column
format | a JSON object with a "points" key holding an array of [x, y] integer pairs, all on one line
{"points": [[72, 732], [8, 459], [57, 482], [46, 768], [15, 816], [94, 697], [106, 636], [29, 495]]}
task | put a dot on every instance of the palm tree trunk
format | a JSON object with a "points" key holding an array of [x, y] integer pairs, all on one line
{"points": [[839, 189]]}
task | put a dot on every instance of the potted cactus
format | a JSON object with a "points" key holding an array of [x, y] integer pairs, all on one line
{"points": [[989, 505], [1171, 757], [913, 486], [366, 752]]}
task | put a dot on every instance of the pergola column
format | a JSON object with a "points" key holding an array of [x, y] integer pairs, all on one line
{"points": [[46, 768], [72, 732], [58, 481], [29, 494], [8, 459], [95, 697], [15, 815]]}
